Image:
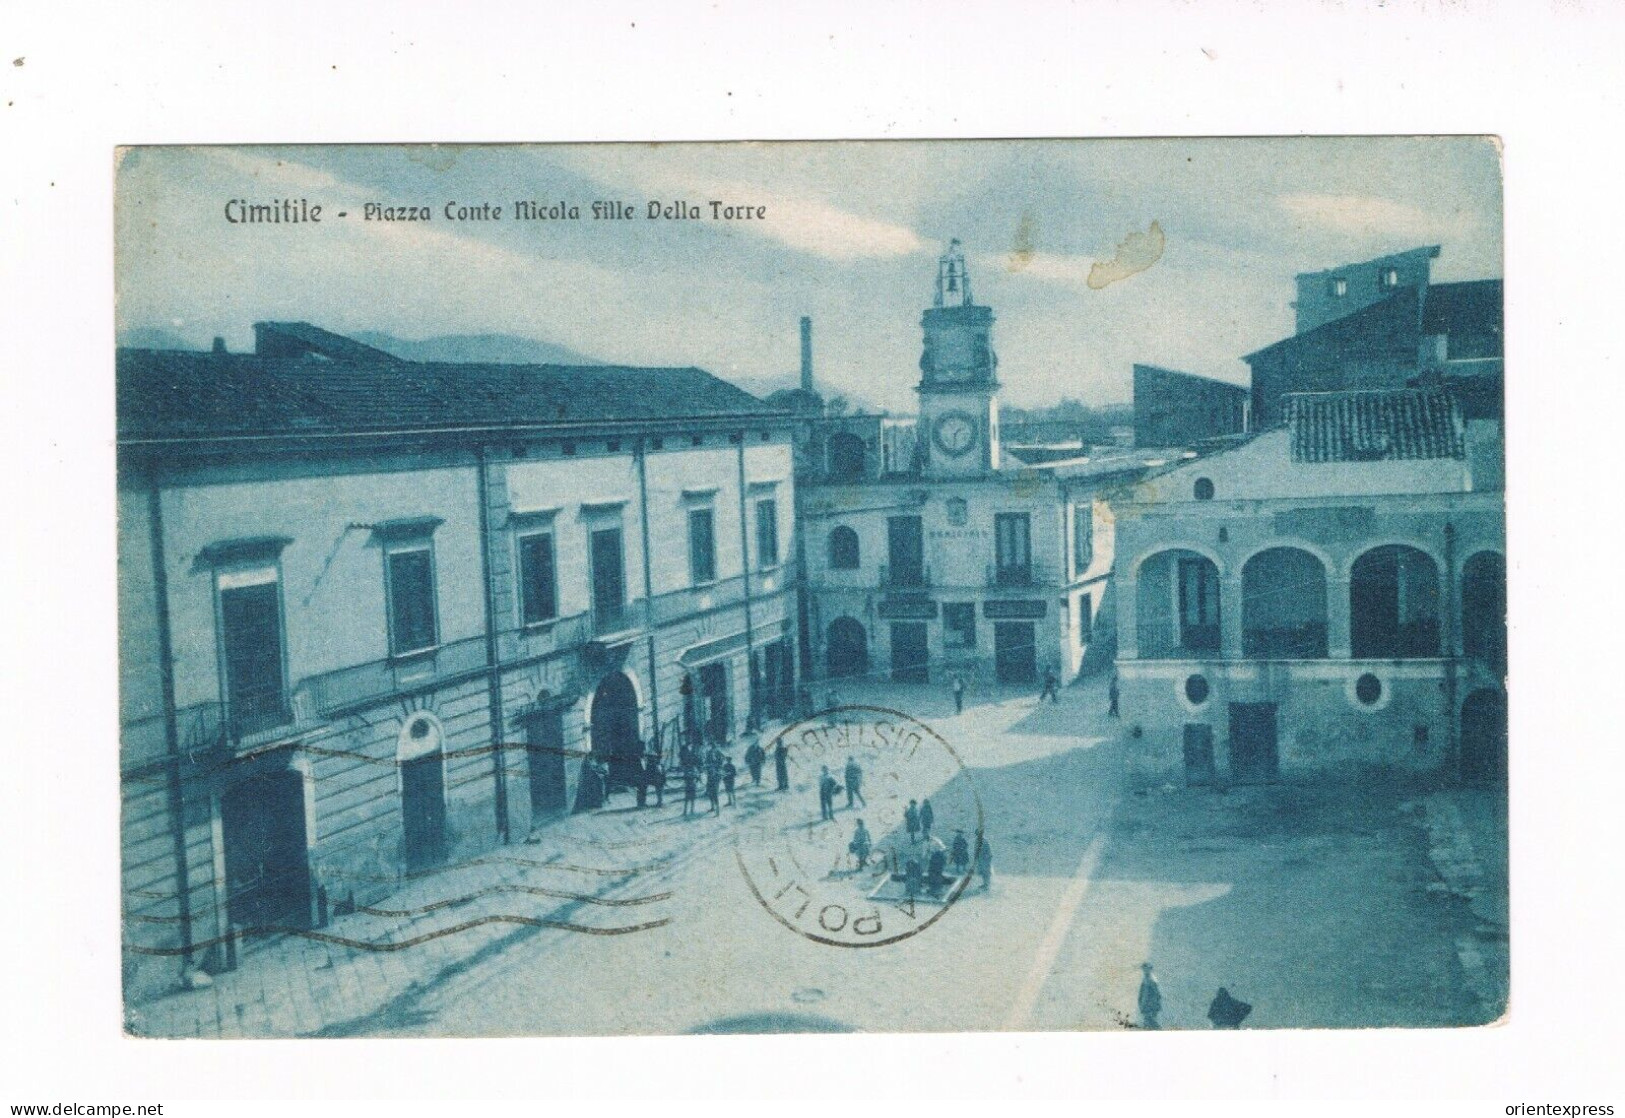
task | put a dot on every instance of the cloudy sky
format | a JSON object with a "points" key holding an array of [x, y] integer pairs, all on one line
{"points": [[851, 238]]}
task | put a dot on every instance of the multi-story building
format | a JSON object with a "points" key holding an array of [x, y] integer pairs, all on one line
{"points": [[1330, 592], [376, 614], [1383, 324], [948, 558]]}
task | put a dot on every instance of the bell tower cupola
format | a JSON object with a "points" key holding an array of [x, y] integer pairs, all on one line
{"points": [[959, 410]]}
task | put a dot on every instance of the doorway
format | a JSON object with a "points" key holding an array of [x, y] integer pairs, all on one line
{"points": [[423, 810], [615, 729], [1484, 738], [262, 821], [847, 648], [909, 652], [1253, 748], [544, 745], [1015, 652], [1199, 767]]}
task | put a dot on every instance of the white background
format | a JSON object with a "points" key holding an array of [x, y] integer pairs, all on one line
{"points": [[1545, 77]]}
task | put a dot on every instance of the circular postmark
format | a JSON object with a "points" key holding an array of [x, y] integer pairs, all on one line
{"points": [[820, 874]]}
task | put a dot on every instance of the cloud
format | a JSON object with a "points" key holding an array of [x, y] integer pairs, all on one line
{"points": [[1137, 253], [1369, 216]]}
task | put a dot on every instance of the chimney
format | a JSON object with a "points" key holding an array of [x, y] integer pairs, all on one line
{"points": [[806, 354], [219, 344]]}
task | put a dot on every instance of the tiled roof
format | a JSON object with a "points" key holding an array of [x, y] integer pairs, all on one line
{"points": [[1375, 426], [167, 394]]}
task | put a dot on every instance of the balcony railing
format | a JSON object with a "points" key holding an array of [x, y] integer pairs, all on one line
{"points": [[615, 620], [665, 608], [915, 579], [1021, 576]]}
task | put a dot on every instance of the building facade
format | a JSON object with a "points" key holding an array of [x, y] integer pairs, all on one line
{"points": [[1179, 409], [1330, 593], [948, 558], [376, 615]]}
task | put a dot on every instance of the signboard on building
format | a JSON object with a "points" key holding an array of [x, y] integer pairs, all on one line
{"points": [[1014, 609]]}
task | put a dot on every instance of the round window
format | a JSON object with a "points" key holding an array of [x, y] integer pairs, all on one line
{"points": [[1368, 689], [1204, 489], [1196, 689]]}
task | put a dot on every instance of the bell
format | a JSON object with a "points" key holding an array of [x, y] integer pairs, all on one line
{"points": [[953, 279]]}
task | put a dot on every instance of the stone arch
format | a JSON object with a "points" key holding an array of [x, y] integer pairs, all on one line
{"points": [[846, 648], [1177, 604], [845, 553], [1394, 604], [612, 727], [1484, 609], [1283, 605]]}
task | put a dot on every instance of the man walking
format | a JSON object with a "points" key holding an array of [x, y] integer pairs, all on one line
{"points": [[755, 757], [713, 786], [728, 775], [959, 694], [826, 795], [911, 820], [781, 765], [1111, 697], [1150, 998], [1052, 687], [861, 845], [854, 784], [961, 850], [654, 774], [927, 817], [984, 862]]}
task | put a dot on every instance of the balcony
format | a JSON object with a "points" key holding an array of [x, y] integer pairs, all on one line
{"points": [[691, 600], [1023, 577], [911, 579], [623, 620]]}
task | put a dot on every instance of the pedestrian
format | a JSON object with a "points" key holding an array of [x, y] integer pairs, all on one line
{"points": [[640, 781], [911, 820], [713, 788], [854, 784], [728, 775], [826, 795], [961, 850], [927, 817], [781, 765], [984, 862], [655, 773], [911, 878], [755, 757], [1052, 687], [861, 845], [1111, 697], [691, 785], [959, 694], [935, 879], [1227, 1012], [1150, 998]]}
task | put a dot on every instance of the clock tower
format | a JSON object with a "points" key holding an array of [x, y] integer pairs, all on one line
{"points": [[959, 405]]}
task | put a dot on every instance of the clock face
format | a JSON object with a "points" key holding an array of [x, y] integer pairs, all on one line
{"points": [[955, 433]]}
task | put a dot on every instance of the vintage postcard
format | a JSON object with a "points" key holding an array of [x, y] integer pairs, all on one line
{"points": [[874, 587]]}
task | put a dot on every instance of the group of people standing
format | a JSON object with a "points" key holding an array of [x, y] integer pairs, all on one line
{"points": [[707, 768], [927, 878]]}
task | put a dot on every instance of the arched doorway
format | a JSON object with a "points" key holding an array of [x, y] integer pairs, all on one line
{"points": [[1484, 610], [1484, 737], [1394, 604], [614, 728], [847, 648], [423, 791], [262, 823], [1283, 606]]}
